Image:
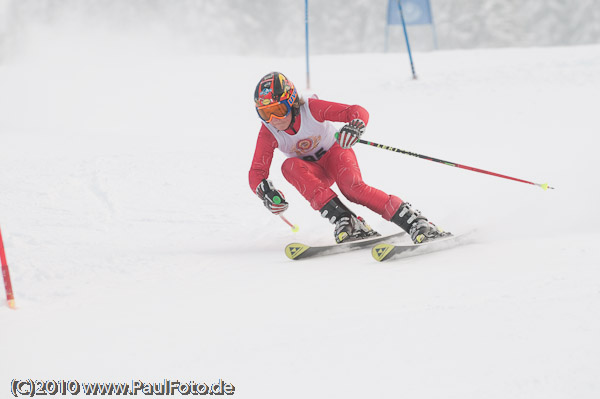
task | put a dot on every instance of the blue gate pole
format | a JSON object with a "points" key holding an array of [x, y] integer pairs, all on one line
{"points": [[412, 66], [306, 39]]}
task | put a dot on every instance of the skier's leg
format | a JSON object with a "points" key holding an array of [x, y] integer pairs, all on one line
{"points": [[343, 166], [314, 183], [310, 180]]}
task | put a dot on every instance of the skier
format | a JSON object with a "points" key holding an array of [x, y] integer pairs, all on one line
{"points": [[318, 157]]}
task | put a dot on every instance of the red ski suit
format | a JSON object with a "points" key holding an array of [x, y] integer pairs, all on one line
{"points": [[313, 178]]}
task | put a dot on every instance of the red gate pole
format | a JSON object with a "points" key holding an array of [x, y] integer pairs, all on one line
{"points": [[7, 283]]}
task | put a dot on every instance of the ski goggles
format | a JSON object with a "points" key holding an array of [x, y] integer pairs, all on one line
{"points": [[278, 110]]}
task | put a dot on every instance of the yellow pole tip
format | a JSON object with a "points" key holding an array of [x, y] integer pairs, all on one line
{"points": [[11, 304], [295, 228]]}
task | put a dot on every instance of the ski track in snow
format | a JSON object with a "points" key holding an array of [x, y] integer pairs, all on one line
{"points": [[138, 251]]}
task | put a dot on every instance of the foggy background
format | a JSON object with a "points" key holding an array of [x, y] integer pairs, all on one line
{"points": [[137, 249], [276, 27]]}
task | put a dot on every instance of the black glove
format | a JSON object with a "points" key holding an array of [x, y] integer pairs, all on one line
{"points": [[350, 133], [273, 199]]}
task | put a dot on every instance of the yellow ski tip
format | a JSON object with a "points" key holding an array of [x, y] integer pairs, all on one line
{"points": [[380, 251], [294, 250]]}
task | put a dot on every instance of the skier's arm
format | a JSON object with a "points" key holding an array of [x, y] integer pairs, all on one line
{"points": [[272, 198], [355, 116], [263, 155], [329, 111]]}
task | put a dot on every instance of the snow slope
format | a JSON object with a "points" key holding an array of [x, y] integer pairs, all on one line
{"points": [[138, 251]]}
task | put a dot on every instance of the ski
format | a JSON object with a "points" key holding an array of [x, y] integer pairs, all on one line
{"points": [[297, 251], [385, 251]]}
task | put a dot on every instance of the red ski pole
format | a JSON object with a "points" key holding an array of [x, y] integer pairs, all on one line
{"points": [[545, 186], [7, 283], [294, 227]]}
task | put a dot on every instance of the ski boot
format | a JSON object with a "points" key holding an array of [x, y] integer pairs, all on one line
{"points": [[416, 225], [348, 226]]}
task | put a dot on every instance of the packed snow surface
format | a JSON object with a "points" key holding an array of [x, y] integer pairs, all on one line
{"points": [[139, 252]]}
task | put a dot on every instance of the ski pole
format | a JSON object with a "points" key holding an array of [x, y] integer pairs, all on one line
{"points": [[545, 186], [294, 227]]}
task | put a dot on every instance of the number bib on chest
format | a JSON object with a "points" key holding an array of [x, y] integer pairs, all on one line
{"points": [[311, 142]]}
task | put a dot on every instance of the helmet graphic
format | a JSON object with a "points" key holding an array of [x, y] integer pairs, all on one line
{"points": [[274, 96]]}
